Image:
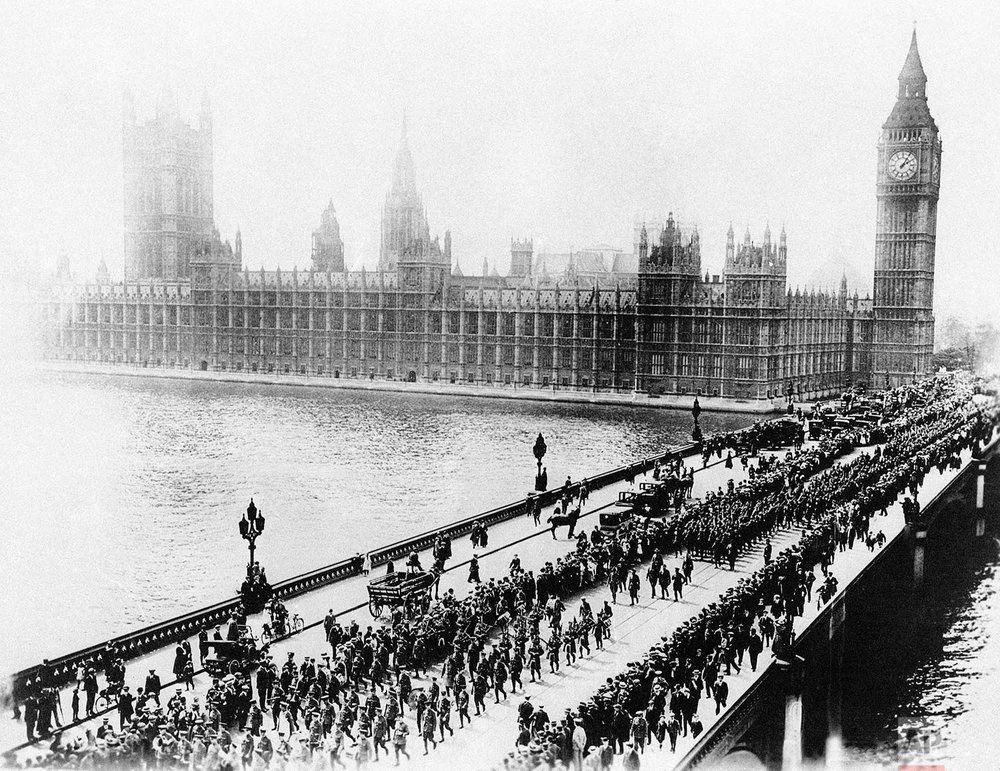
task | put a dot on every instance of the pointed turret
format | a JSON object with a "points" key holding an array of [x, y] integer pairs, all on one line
{"points": [[486, 267], [404, 180], [912, 80], [767, 234], [746, 236], [328, 246], [910, 110], [239, 248]]}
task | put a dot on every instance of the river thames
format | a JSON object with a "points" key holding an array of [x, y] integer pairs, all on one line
{"points": [[122, 494]]}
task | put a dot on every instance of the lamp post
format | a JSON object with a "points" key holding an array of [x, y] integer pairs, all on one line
{"points": [[539, 452], [695, 412], [790, 392], [251, 526]]}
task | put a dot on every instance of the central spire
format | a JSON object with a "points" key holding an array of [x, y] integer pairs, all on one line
{"points": [[404, 180]]}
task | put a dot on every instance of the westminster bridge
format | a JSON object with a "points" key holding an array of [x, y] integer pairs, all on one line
{"points": [[777, 716]]}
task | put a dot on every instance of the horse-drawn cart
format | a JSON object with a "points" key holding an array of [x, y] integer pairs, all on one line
{"points": [[395, 589]]}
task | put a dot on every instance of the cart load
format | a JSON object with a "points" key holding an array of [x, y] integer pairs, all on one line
{"points": [[395, 589]]}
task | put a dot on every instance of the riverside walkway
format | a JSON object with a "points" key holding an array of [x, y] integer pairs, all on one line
{"points": [[349, 600]]}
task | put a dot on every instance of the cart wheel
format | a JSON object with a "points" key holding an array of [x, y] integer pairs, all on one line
{"points": [[297, 623], [374, 608], [102, 702], [235, 668]]}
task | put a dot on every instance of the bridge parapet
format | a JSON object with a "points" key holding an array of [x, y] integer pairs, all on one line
{"points": [[62, 670], [726, 734]]}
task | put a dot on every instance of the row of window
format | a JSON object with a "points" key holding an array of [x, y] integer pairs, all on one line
{"points": [[506, 324], [526, 356]]}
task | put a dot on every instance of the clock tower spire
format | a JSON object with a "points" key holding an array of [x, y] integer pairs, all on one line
{"points": [[909, 169]]}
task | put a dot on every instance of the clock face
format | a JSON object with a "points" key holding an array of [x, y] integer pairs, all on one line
{"points": [[902, 165]]}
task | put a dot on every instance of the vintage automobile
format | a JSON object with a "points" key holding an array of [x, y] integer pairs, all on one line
{"points": [[231, 657]]}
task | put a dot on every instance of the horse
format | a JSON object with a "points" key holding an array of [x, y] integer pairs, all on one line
{"points": [[558, 520]]}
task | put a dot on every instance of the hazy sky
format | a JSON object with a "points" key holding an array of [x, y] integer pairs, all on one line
{"points": [[563, 121]]}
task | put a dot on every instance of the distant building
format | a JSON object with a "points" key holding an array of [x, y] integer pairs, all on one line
{"points": [[328, 246], [597, 262], [592, 320], [404, 220], [168, 194]]}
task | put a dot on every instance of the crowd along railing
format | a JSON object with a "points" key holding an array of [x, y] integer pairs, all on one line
{"points": [[62, 670]]}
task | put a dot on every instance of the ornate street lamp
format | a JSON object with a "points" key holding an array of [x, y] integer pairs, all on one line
{"points": [[251, 526], [695, 412], [790, 393], [539, 452]]}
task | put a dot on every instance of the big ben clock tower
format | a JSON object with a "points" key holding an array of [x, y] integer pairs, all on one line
{"points": [[909, 172]]}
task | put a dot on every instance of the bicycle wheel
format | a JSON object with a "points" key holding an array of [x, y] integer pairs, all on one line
{"points": [[298, 624], [102, 702]]}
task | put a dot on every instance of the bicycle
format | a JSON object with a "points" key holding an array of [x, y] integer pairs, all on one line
{"points": [[107, 697], [279, 629]]}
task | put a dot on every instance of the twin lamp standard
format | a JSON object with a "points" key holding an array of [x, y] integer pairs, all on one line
{"points": [[251, 526]]}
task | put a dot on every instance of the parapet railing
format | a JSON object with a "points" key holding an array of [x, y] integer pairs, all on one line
{"points": [[62, 670]]}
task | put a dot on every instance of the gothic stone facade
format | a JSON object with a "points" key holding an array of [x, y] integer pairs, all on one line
{"points": [[667, 328], [169, 221]]}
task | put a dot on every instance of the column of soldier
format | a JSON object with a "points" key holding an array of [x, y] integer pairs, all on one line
{"points": [[321, 702], [658, 698], [200, 735]]}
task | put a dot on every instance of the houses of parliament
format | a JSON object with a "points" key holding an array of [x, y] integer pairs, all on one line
{"points": [[649, 322]]}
